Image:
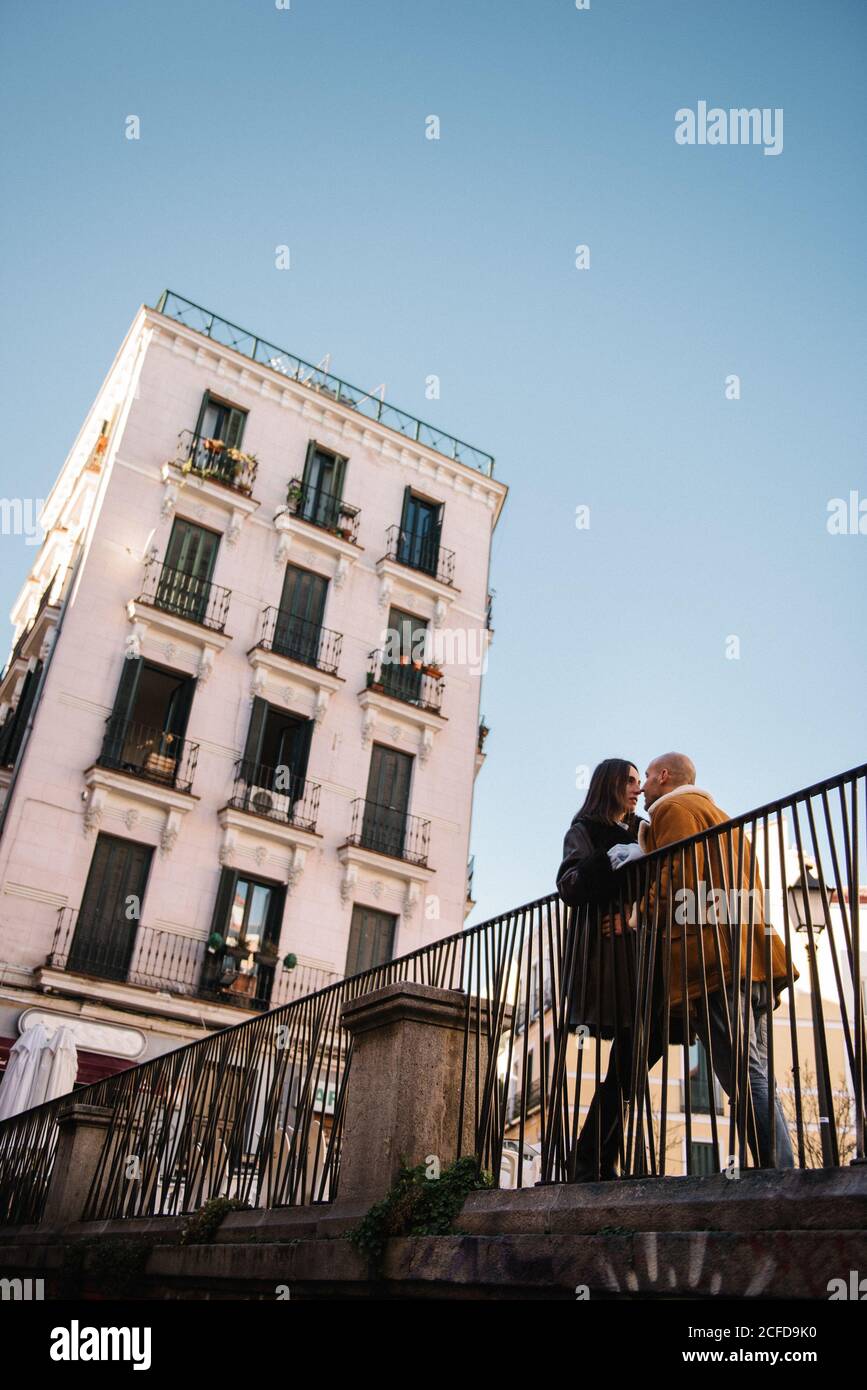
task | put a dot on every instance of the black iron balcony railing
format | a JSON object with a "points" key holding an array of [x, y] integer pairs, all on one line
{"points": [[323, 509], [214, 459], [413, 682], [276, 793], [300, 640], [185, 595], [151, 753], [197, 1099], [420, 552], [114, 948], [389, 830], [219, 330]]}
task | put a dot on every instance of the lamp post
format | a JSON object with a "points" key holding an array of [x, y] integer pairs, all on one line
{"points": [[808, 911]]}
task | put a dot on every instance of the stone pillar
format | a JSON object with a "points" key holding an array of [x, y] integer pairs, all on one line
{"points": [[403, 1097], [81, 1135]]}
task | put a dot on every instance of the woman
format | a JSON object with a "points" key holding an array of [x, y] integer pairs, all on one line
{"points": [[600, 956]]}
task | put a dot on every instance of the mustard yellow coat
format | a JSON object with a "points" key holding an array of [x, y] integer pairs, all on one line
{"points": [[688, 917]]}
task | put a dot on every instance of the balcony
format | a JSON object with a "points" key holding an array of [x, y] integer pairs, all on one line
{"points": [[214, 460], [411, 682], [417, 552], [185, 596], [323, 509], [300, 640], [275, 793], [141, 957], [149, 753], [390, 831]]}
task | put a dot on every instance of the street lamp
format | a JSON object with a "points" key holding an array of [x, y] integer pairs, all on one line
{"points": [[807, 909]]}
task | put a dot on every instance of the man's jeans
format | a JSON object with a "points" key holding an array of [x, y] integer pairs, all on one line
{"points": [[758, 1069], [614, 1090]]}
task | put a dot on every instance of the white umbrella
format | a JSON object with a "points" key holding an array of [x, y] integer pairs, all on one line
{"points": [[20, 1070], [57, 1068]]}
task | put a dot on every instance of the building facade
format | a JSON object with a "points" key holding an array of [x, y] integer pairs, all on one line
{"points": [[241, 714]]}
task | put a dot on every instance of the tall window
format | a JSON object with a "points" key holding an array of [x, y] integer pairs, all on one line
{"points": [[322, 486], [110, 911], [247, 918], [371, 939], [185, 582], [220, 420], [420, 532]]}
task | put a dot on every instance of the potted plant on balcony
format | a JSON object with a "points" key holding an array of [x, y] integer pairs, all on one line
{"points": [[434, 671], [293, 495]]}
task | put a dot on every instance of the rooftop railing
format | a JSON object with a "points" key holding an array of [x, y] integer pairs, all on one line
{"points": [[242, 1112], [229, 335]]}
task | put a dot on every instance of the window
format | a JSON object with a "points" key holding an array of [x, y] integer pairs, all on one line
{"points": [[247, 919], [387, 801], [420, 532], [146, 729], [110, 911], [220, 420], [403, 656], [322, 486], [298, 629], [700, 1083], [703, 1160], [12, 732], [274, 766], [185, 582], [371, 939]]}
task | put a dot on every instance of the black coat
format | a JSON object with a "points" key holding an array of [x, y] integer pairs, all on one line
{"points": [[602, 967]]}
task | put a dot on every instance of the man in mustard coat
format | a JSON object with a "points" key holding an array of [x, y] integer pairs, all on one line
{"points": [[678, 810]]}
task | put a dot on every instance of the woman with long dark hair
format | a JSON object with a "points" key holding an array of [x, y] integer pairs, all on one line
{"points": [[600, 950]]}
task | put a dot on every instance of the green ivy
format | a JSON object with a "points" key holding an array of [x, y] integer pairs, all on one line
{"points": [[201, 1227], [418, 1205]]}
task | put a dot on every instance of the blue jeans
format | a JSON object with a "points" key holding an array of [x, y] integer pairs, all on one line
{"points": [[758, 1070]]}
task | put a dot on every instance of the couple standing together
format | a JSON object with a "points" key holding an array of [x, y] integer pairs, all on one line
{"points": [[605, 835]]}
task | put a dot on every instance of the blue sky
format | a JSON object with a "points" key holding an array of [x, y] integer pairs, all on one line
{"points": [[602, 387]]}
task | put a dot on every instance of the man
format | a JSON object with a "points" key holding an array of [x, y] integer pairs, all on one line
{"points": [[702, 945]]}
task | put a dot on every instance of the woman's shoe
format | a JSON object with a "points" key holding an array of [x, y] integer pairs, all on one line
{"points": [[586, 1172]]}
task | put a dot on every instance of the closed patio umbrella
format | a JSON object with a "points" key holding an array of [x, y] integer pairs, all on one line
{"points": [[21, 1069], [57, 1068]]}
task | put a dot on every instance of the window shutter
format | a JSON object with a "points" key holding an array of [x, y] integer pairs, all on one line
{"points": [[223, 904], [339, 474], [437, 529], [124, 700], [179, 708], [255, 732], [274, 921], [308, 462], [202, 409], [235, 428], [301, 749], [407, 503]]}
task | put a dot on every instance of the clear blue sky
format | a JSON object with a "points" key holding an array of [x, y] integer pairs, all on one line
{"points": [[603, 387]]}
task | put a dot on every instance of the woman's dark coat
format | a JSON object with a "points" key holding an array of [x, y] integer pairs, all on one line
{"points": [[587, 882]]}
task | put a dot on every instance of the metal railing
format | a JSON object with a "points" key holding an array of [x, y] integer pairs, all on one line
{"points": [[184, 595], [419, 552], [151, 753], [413, 682], [116, 949], [323, 509], [275, 793], [257, 1111], [299, 639], [193, 316], [389, 830], [214, 459]]}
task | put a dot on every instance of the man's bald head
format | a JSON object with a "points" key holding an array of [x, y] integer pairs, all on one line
{"points": [[666, 772]]}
